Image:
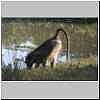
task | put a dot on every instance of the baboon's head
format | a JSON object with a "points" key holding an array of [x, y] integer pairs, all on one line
{"points": [[60, 30], [59, 33]]}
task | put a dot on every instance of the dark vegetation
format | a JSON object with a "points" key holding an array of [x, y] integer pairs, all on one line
{"points": [[61, 73]]}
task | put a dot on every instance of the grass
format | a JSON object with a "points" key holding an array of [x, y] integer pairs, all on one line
{"points": [[74, 73], [85, 70]]}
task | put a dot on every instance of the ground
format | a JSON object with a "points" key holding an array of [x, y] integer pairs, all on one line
{"points": [[86, 70]]}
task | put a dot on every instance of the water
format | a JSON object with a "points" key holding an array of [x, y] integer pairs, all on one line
{"points": [[10, 56]]}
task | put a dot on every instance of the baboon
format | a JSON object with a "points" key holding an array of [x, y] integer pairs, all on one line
{"points": [[49, 50]]}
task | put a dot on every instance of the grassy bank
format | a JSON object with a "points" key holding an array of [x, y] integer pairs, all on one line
{"points": [[72, 72]]}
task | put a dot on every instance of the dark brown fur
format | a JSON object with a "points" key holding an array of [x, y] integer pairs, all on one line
{"points": [[43, 52]]}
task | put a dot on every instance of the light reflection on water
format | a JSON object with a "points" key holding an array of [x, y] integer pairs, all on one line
{"points": [[9, 56]]}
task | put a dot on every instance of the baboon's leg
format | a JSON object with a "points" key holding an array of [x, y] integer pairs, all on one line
{"points": [[44, 64], [52, 63], [29, 65], [55, 58], [37, 65]]}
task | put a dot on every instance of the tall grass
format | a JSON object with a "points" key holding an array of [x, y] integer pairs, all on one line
{"points": [[61, 73]]}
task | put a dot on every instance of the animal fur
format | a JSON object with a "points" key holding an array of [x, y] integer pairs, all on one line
{"points": [[49, 50]]}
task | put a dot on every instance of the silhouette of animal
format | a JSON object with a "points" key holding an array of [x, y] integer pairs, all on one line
{"points": [[48, 50]]}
